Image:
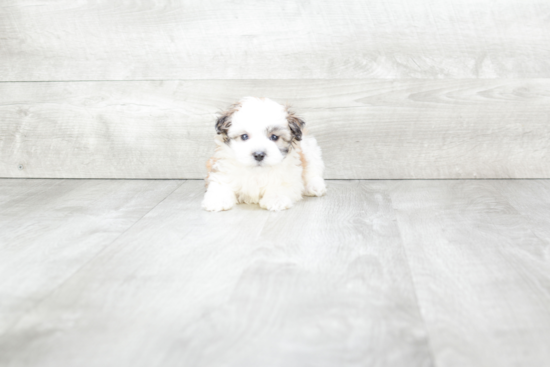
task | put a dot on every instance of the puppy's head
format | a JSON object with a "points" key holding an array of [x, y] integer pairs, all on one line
{"points": [[260, 131]]}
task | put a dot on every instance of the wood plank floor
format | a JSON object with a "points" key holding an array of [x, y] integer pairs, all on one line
{"points": [[376, 273]]}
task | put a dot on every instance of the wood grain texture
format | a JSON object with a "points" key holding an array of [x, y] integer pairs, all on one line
{"points": [[49, 229], [479, 253], [532, 200], [283, 39], [247, 287], [366, 128]]}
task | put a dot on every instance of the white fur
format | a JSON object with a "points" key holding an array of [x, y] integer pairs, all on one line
{"points": [[276, 182]]}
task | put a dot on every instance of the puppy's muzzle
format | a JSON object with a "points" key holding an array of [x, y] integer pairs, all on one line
{"points": [[259, 156]]}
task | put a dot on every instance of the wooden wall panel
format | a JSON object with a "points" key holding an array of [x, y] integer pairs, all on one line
{"points": [[52, 40], [368, 129]]}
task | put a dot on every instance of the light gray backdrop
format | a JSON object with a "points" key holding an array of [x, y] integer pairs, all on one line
{"points": [[391, 89]]}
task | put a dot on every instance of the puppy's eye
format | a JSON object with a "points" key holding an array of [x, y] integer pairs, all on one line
{"points": [[274, 137], [244, 136]]}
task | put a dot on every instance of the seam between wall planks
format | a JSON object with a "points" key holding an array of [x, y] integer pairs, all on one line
{"points": [[326, 179], [259, 79]]}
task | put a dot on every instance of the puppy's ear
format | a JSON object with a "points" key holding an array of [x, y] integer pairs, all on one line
{"points": [[296, 125], [223, 123]]}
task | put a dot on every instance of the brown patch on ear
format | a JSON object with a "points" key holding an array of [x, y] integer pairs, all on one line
{"points": [[295, 124], [224, 121], [222, 124]]}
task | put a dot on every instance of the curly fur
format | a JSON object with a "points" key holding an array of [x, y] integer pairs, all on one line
{"points": [[290, 166]]}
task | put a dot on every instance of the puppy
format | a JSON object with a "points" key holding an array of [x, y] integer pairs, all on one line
{"points": [[263, 156]]}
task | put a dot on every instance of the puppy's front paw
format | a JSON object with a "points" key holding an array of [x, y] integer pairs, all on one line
{"points": [[216, 203], [316, 187], [276, 203]]}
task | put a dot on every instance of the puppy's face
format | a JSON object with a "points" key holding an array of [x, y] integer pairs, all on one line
{"points": [[259, 131]]}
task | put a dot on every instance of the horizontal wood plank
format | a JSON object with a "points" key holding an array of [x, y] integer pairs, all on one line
{"points": [[245, 39], [368, 129]]}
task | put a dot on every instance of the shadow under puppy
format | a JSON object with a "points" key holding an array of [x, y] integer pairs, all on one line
{"points": [[263, 156]]}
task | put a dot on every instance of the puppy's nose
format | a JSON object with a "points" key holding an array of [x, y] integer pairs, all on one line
{"points": [[259, 156]]}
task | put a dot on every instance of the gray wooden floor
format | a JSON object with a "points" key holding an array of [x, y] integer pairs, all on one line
{"points": [[376, 273]]}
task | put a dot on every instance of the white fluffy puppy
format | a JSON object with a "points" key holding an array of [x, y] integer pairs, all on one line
{"points": [[262, 156]]}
